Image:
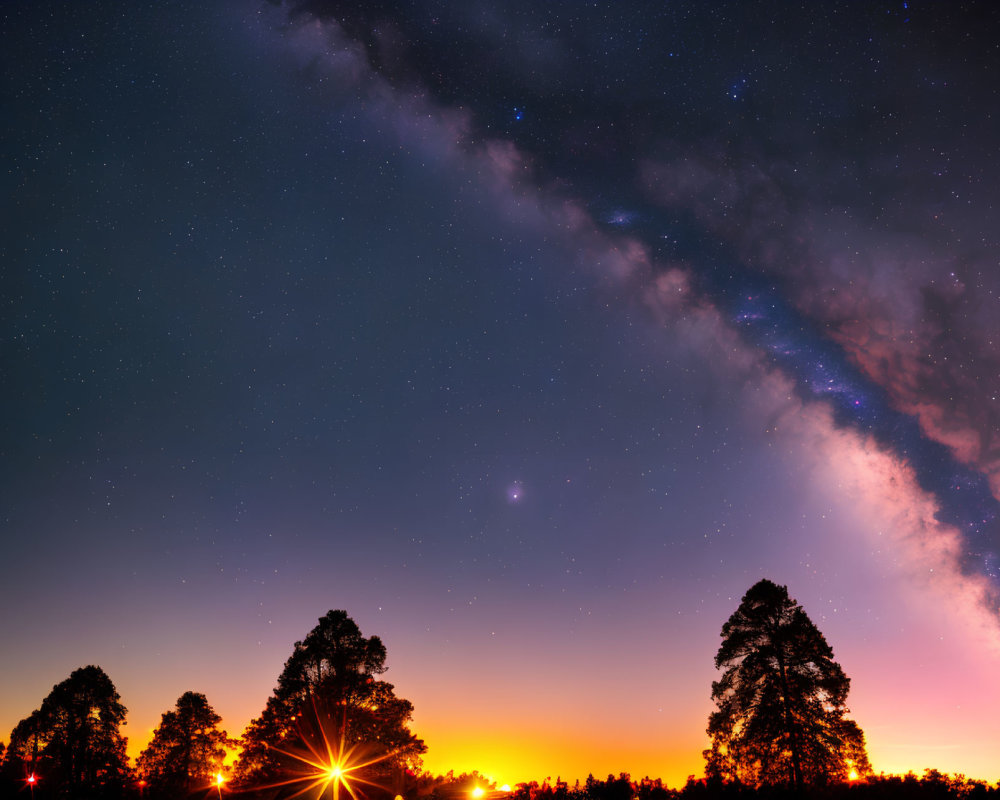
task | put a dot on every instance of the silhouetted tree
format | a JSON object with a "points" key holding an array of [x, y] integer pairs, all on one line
{"points": [[73, 741], [187, 749], [652, 789], [24, 750], [780, 717], [328, 693], [613, 788]]}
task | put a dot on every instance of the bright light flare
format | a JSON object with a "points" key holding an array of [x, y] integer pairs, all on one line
{"points": [[32, 779], [478, 792], [335, 769], [219, 779], [328, 766]]}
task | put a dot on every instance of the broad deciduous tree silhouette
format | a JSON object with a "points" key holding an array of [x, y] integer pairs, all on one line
{"points": [[187, 749], [780, 717], [72, 743], [328, 692]]}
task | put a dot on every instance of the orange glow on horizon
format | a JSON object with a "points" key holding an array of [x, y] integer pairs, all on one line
{"points": [[501, 749], [503, 752], [512, 744]]}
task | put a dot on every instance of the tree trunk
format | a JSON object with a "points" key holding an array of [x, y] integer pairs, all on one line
{"points": [[793, 742]]}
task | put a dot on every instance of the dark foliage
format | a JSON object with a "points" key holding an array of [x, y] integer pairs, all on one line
{"points": [[328, 694], [72, 743], [781, 700], [187, 749]]}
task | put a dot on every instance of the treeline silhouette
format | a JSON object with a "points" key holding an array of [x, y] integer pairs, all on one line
{"points": [[332, 728], [931, 785]]}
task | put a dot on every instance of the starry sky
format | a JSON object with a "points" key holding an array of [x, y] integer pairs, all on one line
{"points": [[531, 334]]}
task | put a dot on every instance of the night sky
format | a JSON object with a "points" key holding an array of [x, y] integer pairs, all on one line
{"points": [[531, 334]]}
